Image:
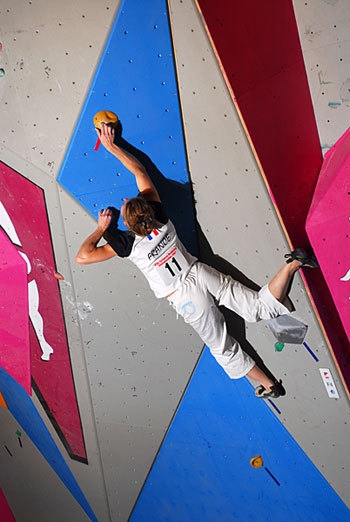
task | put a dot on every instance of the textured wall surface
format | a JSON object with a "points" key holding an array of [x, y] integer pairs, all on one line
{"points": [[323, 28]]}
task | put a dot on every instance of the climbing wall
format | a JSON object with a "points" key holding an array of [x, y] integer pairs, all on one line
{"points": [[166, 434], [243, 239], [48, 54]]}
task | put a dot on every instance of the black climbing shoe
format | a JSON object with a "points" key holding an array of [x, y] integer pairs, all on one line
{"points": [[306, 260], [276, 391]]}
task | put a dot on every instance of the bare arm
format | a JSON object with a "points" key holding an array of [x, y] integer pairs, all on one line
{"points": [[90, 252], [143, 181]]}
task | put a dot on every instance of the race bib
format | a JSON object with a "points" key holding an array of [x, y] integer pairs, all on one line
{"points": [[171, 265]]}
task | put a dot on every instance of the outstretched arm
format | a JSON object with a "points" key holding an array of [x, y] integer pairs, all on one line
{"points": [[143, 181], [90, 252]]}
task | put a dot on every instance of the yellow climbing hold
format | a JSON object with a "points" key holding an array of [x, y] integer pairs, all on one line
{"points": [[257, 461], [108, 117]]}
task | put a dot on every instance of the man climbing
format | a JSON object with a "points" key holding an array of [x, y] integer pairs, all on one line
{"points": [[192, 288]]}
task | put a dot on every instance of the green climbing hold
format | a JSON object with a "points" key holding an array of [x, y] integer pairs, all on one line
{"points": [[279, 347]]}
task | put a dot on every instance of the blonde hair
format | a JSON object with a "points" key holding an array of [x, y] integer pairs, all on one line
{"points": [[139, 216]]}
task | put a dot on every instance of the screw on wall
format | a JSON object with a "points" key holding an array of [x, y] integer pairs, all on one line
{"points": [[2, 71]]}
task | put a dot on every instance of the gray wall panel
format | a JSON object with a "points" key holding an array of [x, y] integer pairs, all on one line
{"points": [[324, 33]]}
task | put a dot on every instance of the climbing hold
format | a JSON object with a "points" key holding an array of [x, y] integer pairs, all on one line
{"points": [[108, 117], [279, 347], [2, 73], [256, 462], [59, 276]]}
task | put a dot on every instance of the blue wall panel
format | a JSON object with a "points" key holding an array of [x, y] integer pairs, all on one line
{"points": [[135, 79], [24, 411], [203, 471]]}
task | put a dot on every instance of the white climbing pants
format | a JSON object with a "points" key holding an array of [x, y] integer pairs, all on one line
{"points": [[197, 301]]}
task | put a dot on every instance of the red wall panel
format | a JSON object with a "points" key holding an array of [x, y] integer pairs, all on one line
{"points": [[257, 44]]}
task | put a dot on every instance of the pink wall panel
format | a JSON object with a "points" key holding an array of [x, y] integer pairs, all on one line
{"points": [[24, 219], [257, 44], [328, 225], [14, 319]]}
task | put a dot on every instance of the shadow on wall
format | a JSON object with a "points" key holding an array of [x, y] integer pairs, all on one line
{"points": [[177, 199]]}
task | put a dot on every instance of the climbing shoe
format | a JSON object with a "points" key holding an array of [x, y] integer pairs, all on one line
{"points": [[306, 260], [276, 391]]}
